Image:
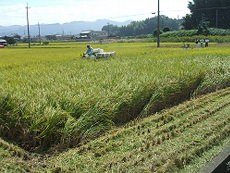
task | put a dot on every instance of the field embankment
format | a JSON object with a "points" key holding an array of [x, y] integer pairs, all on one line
{"points": [[50, 97], [213, 34]]}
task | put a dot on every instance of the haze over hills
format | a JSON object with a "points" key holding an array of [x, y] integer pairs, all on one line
{"points": [[71, 28]]}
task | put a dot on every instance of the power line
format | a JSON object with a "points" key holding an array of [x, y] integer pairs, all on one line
{"points": [[217, 12], [212, 8], [140, 14]]}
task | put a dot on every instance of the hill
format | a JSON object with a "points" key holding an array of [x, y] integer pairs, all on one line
{"points": [[74, 27]]}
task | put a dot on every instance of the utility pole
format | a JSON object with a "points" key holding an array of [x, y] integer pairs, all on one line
{"points": [[28, 25], [39, 33], [158, 24], [202, 18], [108, 29], [216, 18]]}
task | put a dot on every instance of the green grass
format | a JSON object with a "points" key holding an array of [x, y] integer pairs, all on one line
{"points": [[49, 96], [215, 35]]}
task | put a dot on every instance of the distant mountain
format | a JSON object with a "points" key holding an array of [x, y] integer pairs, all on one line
{"points": [[72, 28]]}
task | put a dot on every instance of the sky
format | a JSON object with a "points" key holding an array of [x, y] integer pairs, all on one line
{"points": [[13, 12]]}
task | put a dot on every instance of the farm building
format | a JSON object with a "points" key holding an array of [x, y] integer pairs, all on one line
{"points": [[57, 37], [92, 35]]}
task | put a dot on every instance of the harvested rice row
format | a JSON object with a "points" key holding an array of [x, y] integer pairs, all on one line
{"points": [[134, 149], [14, 150]]}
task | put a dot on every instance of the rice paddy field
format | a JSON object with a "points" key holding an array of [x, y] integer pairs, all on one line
{"points": [[61, 113]]}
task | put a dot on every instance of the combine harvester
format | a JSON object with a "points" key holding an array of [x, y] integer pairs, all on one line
{"points": [[99, 53]]}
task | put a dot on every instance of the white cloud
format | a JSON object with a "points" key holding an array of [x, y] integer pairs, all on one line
{"points": [[13, 14]]}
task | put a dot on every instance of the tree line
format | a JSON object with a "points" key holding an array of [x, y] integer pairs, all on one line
{"points": [[144, 27], [204, 14], [212, 13]]}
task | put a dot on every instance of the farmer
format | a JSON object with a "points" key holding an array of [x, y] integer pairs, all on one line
{"points": [[202, 43], [89, 51], [206, 42], [197, 43]]}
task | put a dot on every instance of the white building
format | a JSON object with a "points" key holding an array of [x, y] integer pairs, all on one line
{"points": [[92, 35], [3, 42]]}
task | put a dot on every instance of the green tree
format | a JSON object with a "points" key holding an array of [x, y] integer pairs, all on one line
{"points": [[203, 29], [143, 27], [112, 30], [214, 12], [166, 29], [188, 22], [10, 40]]}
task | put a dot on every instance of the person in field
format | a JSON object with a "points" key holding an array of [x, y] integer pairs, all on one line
{"points": [[206, 42], [197, 43], [89, 51], [202, 43]]}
